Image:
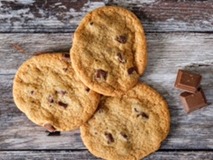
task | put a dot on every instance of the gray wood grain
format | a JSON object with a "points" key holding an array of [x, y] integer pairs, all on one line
{"points": [[167, 16], [167, 53], [166, 50], [44, 16], [64, 16], [85, 155]]}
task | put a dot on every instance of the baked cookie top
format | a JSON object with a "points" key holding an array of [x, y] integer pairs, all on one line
{"points": [[109, 50], [128, 128], [48, 91]]}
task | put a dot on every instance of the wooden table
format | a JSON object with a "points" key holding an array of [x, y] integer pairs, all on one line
{"points": [[179, 35]]}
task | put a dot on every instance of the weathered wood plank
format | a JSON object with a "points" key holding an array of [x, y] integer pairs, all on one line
{"points": [[64, 16], [44, 16], [167, 53], [192, 131], [166, 50], [85, 155], [167, 16], [13, 45]]}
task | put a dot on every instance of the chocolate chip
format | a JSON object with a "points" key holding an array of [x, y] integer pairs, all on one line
{"points": [[135, 109], [143, 114], [91, 23], [66, 57], [109, 137], [64, 105], [122, 39], [56, 133], [121, 58], [131, 70], [49, 127], [50, 99], [65, 69], [87, 89], [101, 74], [31, 92], [124, 135]]}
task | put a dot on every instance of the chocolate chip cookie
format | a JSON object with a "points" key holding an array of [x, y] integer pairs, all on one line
{"points": [[128, 128], [48, 91], [109, 50]]}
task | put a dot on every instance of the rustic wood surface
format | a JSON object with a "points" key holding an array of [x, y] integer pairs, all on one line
{"points": [[64, 15], [85, 155], [28, 27]]}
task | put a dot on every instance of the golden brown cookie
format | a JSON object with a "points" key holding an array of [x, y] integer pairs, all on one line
{"points": [[128, 128], [48, 91], [109, 50]]}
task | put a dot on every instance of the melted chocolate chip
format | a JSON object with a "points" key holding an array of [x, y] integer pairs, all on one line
{"points": [[91, 23], [87, 89], [135, 109], [66, 57], [109, 137], [31, 92], [131, 70], [101, 74], [124, 135], [143, 114], [121, 58], [49, 127], [56, 133], [50, 99], [64, 105], [65, 69], [122, 39]]}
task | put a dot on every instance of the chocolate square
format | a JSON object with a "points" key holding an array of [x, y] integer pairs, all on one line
{"points": [[193, 101], [187, 81]]}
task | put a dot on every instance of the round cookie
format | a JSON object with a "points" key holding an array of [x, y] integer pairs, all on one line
{"points": [[48, 91], [128, 128], [109, 50]]}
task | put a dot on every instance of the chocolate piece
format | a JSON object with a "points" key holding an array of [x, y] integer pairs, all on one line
{"points": [[64, 105], [122, 39], [87, 89], [143, 115], [56, 133], [50, 99], [131, 70], [65, 69], [101, 74], [193, 101], [49, 127], [109, 137], [187, 81], [66, 57], [124, 135]]}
